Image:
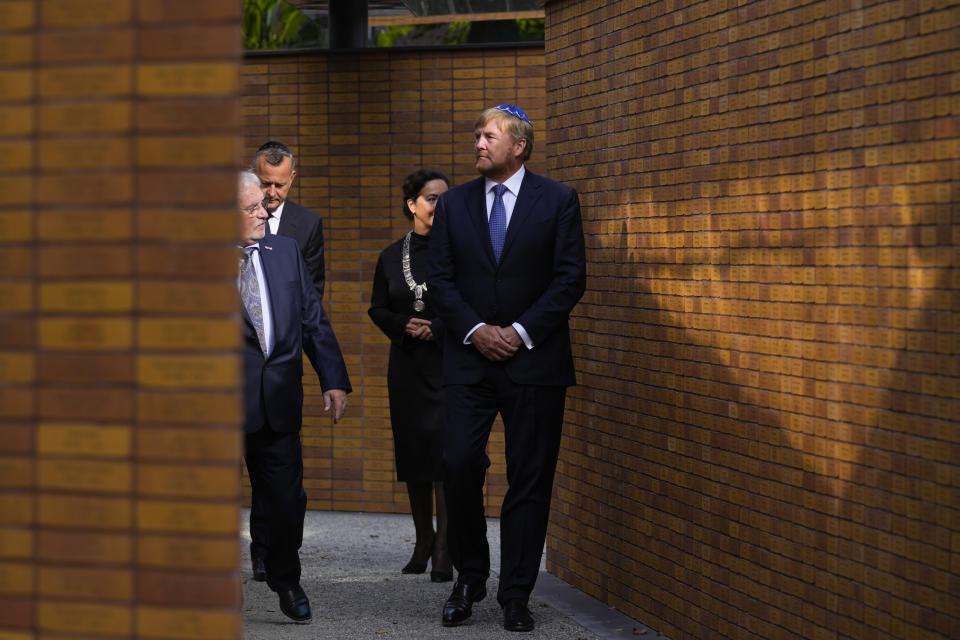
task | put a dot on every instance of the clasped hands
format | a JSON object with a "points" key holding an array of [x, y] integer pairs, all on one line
{"points": [[496, 343], [419, 328]]}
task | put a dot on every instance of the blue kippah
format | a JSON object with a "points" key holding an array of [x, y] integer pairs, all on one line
{"points": [[515, 111]]}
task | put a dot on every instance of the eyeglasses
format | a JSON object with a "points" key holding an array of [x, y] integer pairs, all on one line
{"points": [[252, 210]]}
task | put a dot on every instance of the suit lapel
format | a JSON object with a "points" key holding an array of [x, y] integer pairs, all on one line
{"points": [[477, 212], [288, 221], [526, 199]]}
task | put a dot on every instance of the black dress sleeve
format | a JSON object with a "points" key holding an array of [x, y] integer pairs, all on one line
{"points": [[391, 323]]}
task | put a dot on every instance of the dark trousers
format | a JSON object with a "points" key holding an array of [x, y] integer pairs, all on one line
{"points": [[258, 524], [275, 466], [533, 420]]}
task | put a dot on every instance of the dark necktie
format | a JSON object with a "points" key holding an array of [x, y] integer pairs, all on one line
{"points": [[498, 221], [250, 295]]}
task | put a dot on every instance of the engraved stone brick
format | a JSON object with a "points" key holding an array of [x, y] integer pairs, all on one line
{"points": [[83, 439], [111, 585], [188, 623], [87, 153], [218, 591], [17, 368], [185, 445], [185, 552], [186, 517], [74, 617], [188, 481], [84, 512], [16, 49], [84, 117], [16, 543], [90, 224], [84, 546], [87, 297], [101, 80], [187, 333], [101, 45], [15, 227], [74, 13], [16, 120], [16, 85], [186, 151], [84, 475], [186, 79], [212, 407], [188, 371]]}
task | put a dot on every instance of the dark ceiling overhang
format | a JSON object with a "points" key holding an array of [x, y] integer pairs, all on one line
{"points": [[349, 20], [447, 7], [393, 11]]}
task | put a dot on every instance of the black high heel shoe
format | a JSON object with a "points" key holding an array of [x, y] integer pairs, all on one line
{"points": [[440, 570], [421, 554]]}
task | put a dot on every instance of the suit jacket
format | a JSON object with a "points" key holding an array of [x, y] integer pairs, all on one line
{"points": [[306, 227], [540, 277], [273, 386]]}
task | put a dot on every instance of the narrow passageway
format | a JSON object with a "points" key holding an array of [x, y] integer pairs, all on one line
{"points": [[351, 572]]}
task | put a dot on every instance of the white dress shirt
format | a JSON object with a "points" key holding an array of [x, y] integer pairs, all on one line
{"points": [[274, 220]]}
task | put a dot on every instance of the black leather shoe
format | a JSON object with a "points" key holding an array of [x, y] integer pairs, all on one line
{"points": [[459, 606], [516, 616], [259, 569], [294, 604]]}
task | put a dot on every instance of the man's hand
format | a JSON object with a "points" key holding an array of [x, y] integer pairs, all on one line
{"points": [[419, 328], [492, 344], [336, 398], [510, 335]]}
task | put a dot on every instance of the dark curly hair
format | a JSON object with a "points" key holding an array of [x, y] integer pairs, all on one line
{"points": [[413, 185]]}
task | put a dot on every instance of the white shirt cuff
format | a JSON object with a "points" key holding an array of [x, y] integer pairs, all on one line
{"points": [[523, 335], [466, 339]]}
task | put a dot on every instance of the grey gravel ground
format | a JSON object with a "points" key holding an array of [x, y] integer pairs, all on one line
{"points": [[351, 573]]}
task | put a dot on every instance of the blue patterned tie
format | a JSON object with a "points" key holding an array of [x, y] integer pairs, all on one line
{"points": [[250, 295], [498, 221]]}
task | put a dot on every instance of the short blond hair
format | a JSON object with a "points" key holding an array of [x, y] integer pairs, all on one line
{"points": [[517, 128]]}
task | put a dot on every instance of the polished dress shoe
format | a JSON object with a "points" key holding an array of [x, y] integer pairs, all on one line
{"points": [[259, 569], [516, 616], [294, 604], [459, 606]]}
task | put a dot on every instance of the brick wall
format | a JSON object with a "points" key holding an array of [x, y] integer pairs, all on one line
{"points": [[358, 123], [765, 442], [119, 404]]}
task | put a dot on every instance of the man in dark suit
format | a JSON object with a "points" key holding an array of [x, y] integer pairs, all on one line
{"points": [[274, 165], [283, 316], [506, 266]]}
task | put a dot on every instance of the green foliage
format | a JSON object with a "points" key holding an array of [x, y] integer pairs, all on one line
{"points": [[389, 36], [274, 24], [424, 35], [531, 28]]}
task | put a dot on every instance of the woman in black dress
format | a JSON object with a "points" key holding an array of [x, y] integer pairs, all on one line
{"points": [[400, 307]]}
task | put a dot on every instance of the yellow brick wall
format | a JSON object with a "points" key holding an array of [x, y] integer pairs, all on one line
{"points": [[358, 123], [120, 485], [765, 441]]}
